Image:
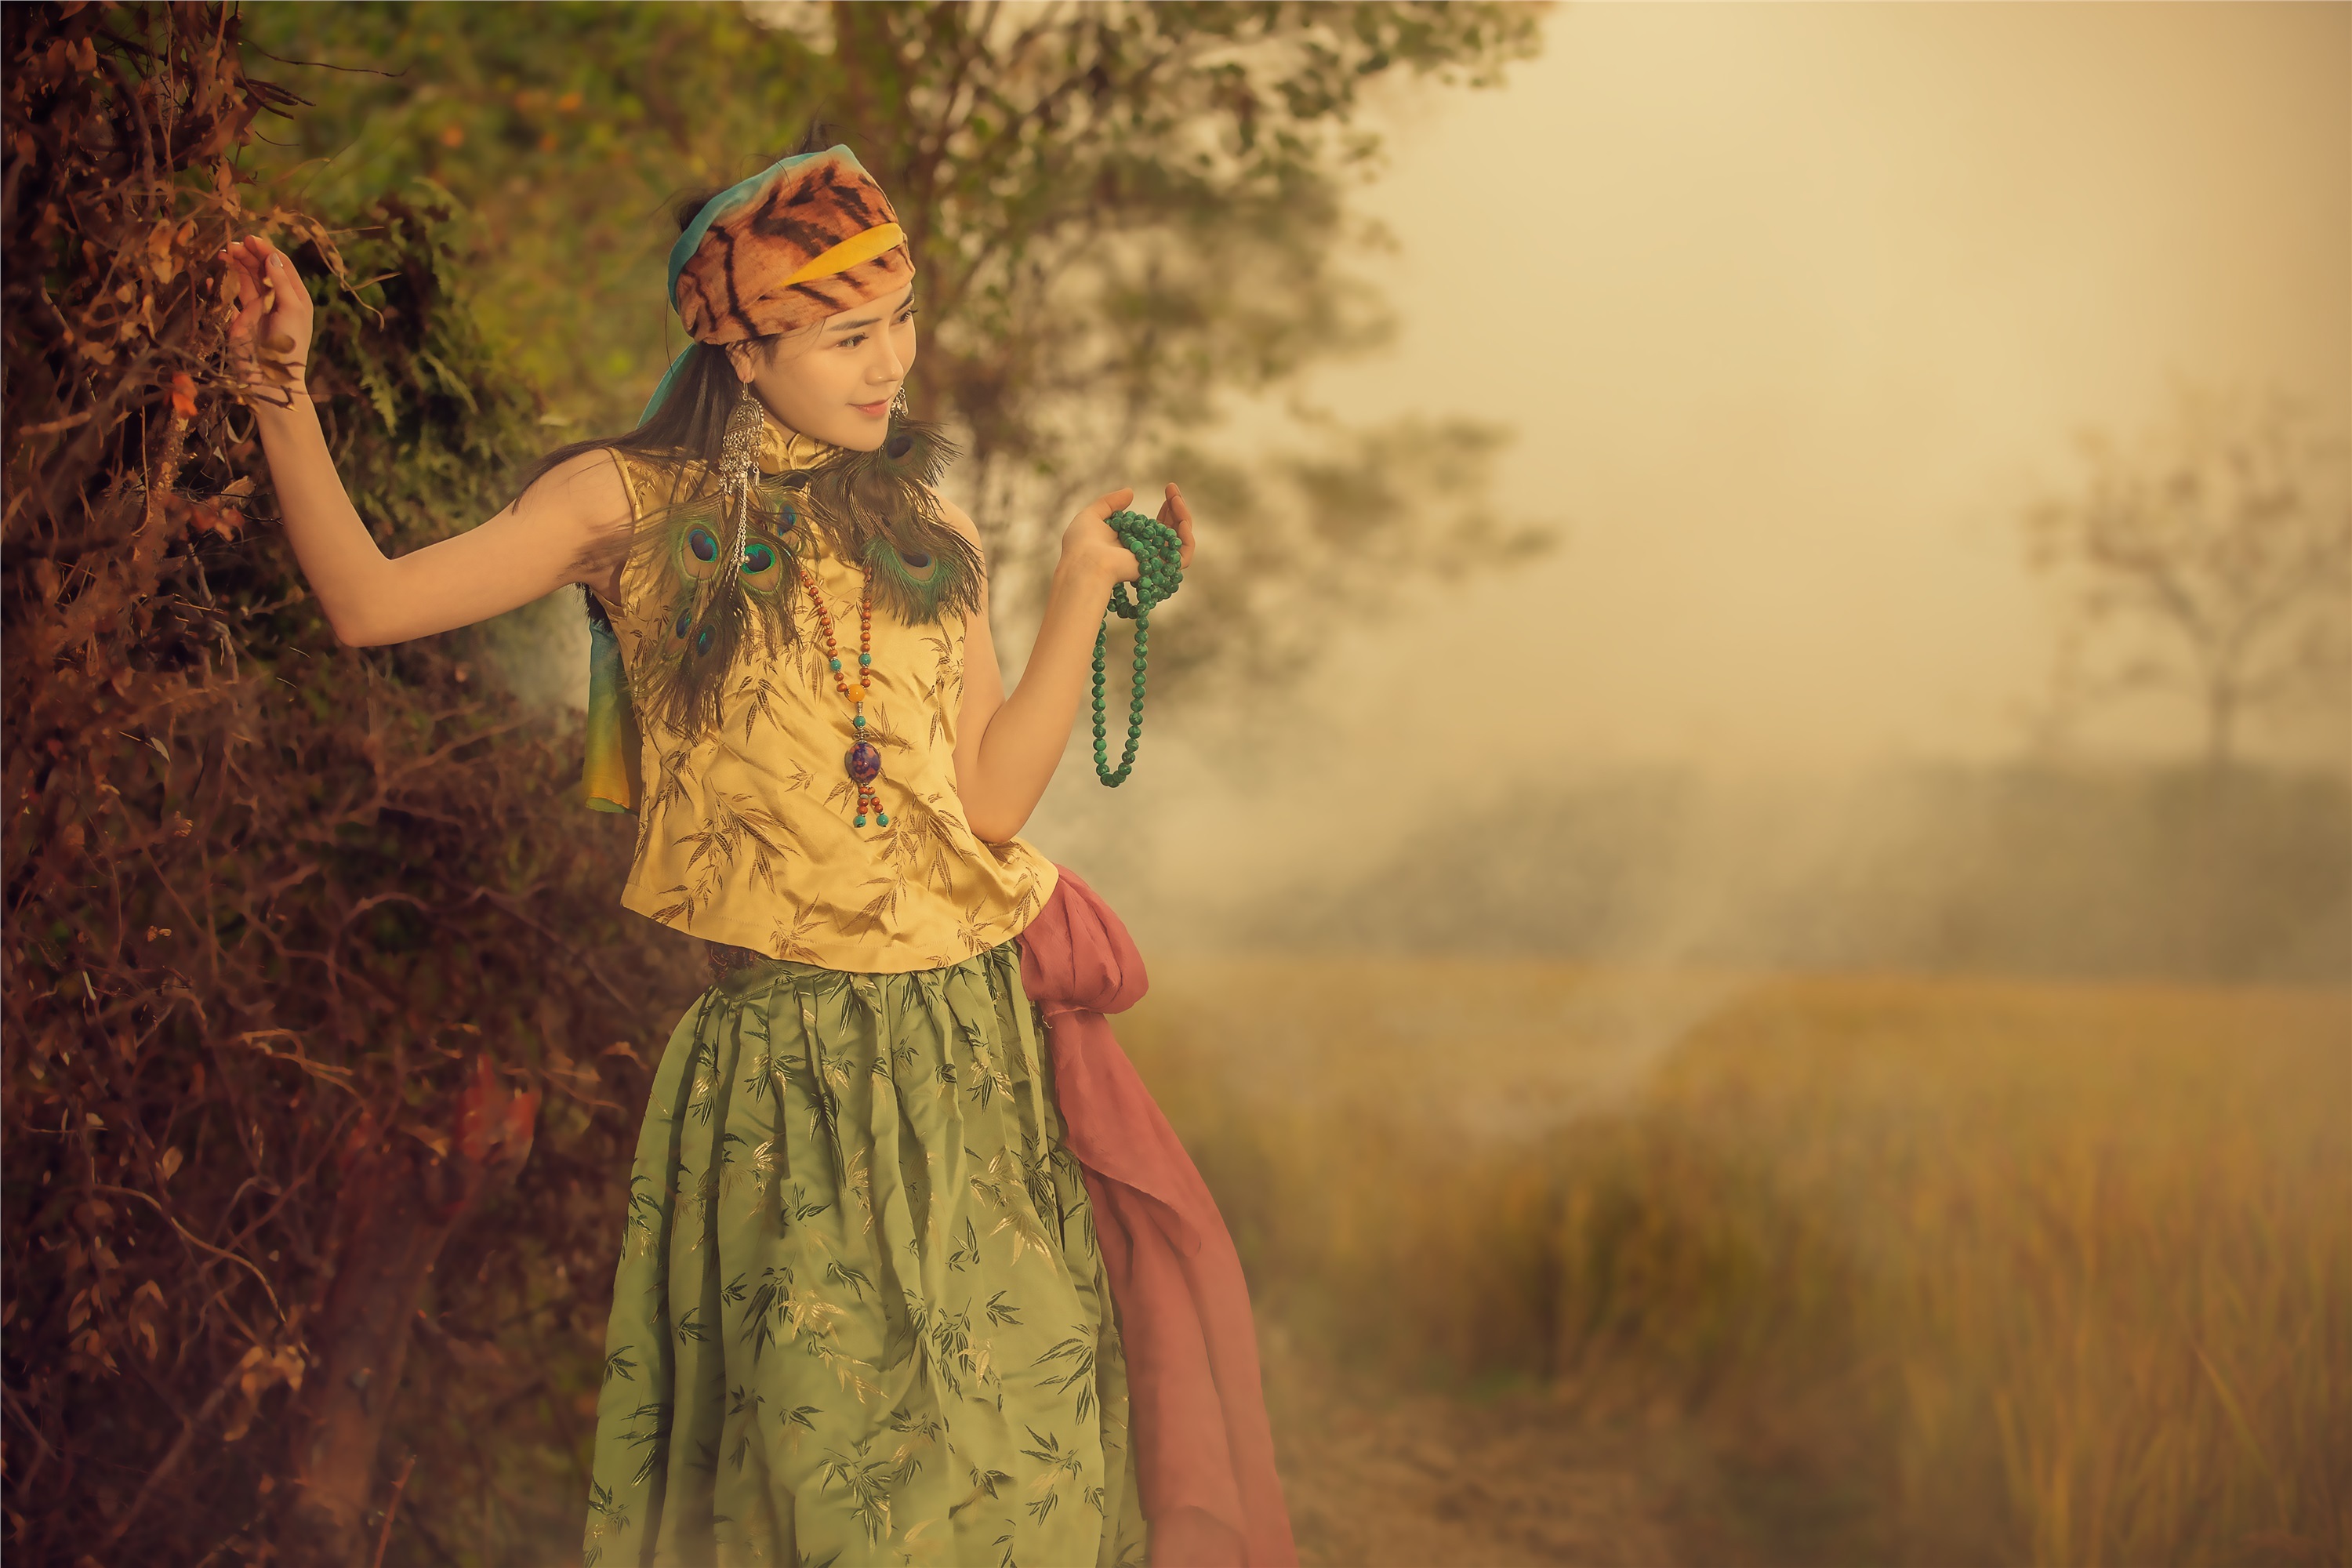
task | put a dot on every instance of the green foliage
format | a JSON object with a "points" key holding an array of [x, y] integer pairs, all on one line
{"points": [[563, 130], [429, 422], [423, 417], [1022, 148], [1122, 216]]}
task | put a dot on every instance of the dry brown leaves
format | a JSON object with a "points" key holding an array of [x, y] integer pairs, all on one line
{"points": [[264, 895]]}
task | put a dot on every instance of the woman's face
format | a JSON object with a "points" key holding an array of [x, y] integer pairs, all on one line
{"points": [[836, 383]]}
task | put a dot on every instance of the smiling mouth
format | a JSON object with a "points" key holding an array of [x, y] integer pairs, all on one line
{"points": [[880, 406]]}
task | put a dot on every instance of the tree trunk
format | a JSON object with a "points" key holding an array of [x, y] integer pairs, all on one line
{"points": [[400, 1200]]}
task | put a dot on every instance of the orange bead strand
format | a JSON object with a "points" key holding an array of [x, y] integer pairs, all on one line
{"points": [[864, 762]]}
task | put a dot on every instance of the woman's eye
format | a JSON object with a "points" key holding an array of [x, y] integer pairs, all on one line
{"points": [[851, 341]]}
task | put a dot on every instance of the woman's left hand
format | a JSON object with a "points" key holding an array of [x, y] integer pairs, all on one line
{"points": [[1011, 744], [1090, 547], [1178, 516]]}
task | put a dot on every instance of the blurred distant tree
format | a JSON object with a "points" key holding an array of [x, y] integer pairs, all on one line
{"points": [[2213, 559], [1120, 213]]}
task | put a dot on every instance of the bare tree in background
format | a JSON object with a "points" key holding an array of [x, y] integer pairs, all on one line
{"points": [[2212, 558]]}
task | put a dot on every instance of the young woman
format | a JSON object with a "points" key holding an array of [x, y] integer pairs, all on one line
{"points": [[861, 1315]]}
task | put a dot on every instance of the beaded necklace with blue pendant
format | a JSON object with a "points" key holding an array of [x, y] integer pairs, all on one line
{"points": [[864, 760]]}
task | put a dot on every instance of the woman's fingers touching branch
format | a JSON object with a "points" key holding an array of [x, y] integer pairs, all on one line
{"points": [[271, 330]]}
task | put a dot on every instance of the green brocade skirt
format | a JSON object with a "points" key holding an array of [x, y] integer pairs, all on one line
{"points": [[860, 1316]]}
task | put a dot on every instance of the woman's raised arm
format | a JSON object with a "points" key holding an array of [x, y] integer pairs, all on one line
{"points": [[570, 526], [1007, 747]]}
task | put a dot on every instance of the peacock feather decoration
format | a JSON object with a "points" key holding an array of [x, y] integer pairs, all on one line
{"points": [[727, 553]]}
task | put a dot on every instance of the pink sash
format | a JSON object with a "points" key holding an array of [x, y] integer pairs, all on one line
{"points": [[1204, 1451]]}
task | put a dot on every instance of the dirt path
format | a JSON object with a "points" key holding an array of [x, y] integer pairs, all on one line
{"points": [[1381, 1480]]}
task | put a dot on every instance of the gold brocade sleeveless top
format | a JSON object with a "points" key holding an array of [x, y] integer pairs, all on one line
{"points": [[745, 835]]}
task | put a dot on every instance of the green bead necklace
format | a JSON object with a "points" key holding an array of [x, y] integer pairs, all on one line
{"points": [[1160, 554]]}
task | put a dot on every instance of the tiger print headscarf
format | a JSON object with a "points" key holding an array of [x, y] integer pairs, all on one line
{"points": [[807, 237]]}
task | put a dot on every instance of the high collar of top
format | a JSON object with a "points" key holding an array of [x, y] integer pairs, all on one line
{"points": [[805, 239], [783, 449]]}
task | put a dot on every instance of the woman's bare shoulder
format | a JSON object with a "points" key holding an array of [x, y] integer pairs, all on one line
{"points": [[955, 517], [585, 499], [591, 486]]}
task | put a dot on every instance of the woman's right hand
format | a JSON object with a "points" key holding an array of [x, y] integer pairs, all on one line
{"points": [[271, 334]]}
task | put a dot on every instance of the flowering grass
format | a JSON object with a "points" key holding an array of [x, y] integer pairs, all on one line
{"points": [[1941, 1270]]}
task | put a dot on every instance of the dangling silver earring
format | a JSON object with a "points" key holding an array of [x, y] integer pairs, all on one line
{"points": [[899, 404], [739, 446], [739, 459]]}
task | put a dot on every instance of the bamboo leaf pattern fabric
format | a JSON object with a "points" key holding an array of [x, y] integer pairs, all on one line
{"points": [[859, 1316]]}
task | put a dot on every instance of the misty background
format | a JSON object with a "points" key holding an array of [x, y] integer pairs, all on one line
{"points": [[1795, 314], [1744, 823]]}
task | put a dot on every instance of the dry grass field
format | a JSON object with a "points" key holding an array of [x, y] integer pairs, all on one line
{"points": [[1567, 1264]]}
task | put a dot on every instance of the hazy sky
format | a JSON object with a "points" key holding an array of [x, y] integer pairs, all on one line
{"points": [[1793, 307]]}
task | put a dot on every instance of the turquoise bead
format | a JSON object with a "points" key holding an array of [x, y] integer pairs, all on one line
{"points": [[859, 721], [865, 659], [836, 664], [861, 819], [881, 819]]}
